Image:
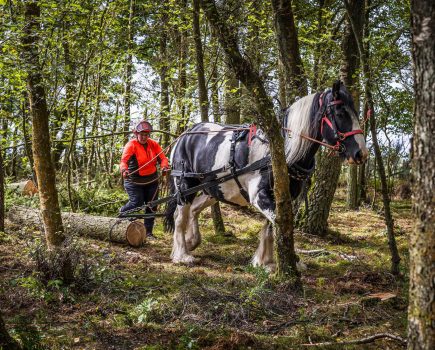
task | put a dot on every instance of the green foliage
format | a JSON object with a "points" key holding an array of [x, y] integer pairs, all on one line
{"points": [[142, 312]]}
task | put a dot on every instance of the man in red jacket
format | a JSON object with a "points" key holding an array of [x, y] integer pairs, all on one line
{"points": [[138, 167]]}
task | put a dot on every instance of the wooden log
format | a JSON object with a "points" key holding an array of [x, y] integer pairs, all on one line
{"points": [[99, 227], [25, 188]]}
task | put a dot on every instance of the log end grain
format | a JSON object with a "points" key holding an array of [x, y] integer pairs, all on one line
{"points": [[136, 234]]}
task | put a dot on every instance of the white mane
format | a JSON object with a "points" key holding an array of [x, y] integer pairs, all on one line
{"points": [[298, 121]]}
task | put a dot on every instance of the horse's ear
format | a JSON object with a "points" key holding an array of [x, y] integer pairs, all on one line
{"points": [[336, 89]]}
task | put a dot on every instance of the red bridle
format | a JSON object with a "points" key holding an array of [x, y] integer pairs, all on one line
{"points": [[341, 136]]}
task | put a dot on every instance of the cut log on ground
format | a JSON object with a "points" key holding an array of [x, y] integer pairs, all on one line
{"points": [[25, 188], [99, 227]]}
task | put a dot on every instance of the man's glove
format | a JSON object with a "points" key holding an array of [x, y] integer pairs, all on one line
{"points": [[125, 174]]}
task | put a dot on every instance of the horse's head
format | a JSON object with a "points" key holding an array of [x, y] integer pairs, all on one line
{"points": [[339, 124]]}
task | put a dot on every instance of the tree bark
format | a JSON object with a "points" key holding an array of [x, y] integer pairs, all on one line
{"points": [[164, 79], [232, 98], [314, 219], [421, 311], [364, 52], [218, 222], [287, 36], [40, 136], [128, 70], [349, 75], [98, 227], [284, 248], [202, 88]]}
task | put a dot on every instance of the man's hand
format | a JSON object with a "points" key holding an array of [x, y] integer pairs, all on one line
{"points": [[165, 170], [125, 174]]}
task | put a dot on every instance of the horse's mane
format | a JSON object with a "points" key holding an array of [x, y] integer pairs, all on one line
{"points": [[300, 117]]}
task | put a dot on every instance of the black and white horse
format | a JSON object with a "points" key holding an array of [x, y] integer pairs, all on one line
{"points": [[210, 150]]}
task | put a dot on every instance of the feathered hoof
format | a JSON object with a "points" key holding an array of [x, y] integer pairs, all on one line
{"points": [[184, 259]]}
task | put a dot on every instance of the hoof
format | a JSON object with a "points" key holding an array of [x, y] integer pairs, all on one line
{"points": [[270, 268], [184, 259]]}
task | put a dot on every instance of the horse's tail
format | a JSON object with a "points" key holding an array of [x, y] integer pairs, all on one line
{"points": [[168, 221]]}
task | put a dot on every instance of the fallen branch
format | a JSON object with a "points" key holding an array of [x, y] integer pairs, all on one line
{"points": [[366, 340]]}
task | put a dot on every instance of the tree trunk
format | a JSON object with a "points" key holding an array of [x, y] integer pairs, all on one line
{"points": [[45, 173], [128, 71], [202, 88], [27, 145], [232, 98], [287, 36], [164, 81], [421, 316], [182, 71], [349, 75], [284, 248], [98, 227], [218, 222], [364, 56], [6, 341], [314, 219]]}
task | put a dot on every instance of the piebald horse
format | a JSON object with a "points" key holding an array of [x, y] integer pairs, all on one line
{"points": [[209, 151]]}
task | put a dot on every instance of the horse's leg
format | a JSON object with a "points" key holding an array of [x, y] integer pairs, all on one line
{"points": [[193, 236], [263, 256], [180, 253]]}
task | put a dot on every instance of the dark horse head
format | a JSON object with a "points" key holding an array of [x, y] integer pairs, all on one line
{"points": [[339, 124]]}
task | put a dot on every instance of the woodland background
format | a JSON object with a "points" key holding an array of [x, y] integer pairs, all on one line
{"points": [[105, 65]]}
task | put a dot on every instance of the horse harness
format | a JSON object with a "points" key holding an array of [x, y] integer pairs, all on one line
{"points": [[211, 179], [328, 118]]}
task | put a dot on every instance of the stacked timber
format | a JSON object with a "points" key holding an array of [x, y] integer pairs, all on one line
{"points": [[25, 188], [99, 227]]}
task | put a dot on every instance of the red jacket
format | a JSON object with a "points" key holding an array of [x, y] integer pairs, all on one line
{"points": [[135, 155]]}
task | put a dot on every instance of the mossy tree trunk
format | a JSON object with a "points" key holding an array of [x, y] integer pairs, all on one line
{"points": [[421, 315], [284, 248], [314, 219], [349, 75], [41, 145], [287, 37], [363, 48], [164, 79], [128, 71], [216, 214]]}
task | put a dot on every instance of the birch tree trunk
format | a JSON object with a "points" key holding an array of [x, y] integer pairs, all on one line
{"points": [[421, 311]]}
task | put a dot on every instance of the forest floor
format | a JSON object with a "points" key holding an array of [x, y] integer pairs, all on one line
{"points": [[135, 298]]}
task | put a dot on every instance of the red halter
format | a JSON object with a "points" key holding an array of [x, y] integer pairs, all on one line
{"points": [[341, 136]]}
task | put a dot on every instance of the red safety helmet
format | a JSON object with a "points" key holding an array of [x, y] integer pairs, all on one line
{"points": [[143, 126]]}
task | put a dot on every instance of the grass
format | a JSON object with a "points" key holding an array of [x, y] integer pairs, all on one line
{"points": [[137, 299]]}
